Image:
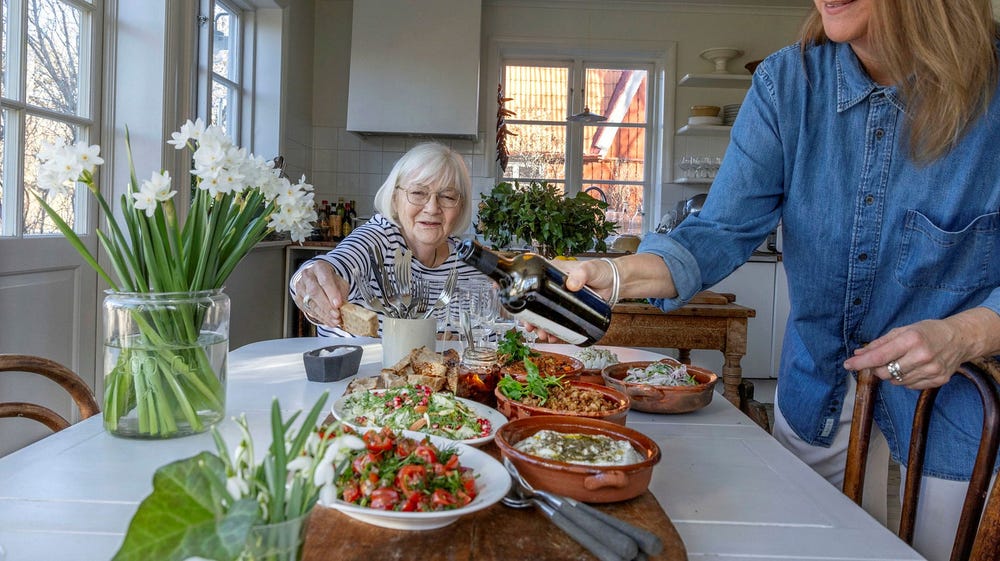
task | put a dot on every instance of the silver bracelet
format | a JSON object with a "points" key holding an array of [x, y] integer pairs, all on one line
{"points": [[616, 281]]}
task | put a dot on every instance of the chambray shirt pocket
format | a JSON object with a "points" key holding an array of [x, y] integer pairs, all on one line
{"points": [[960, 261]]}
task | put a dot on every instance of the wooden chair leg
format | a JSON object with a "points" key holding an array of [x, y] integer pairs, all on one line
{"points": [[751, 407], [861, 429]]}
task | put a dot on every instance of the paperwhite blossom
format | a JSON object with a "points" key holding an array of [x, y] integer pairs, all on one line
{"points": [[62, 165], [145, 200], [152, 191], [189, 131]]}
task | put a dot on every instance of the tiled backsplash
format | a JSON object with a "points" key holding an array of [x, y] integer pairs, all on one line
{"points": [[348, 165]]}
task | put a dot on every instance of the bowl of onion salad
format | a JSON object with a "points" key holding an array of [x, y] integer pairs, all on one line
{"points": [[418, 408], [664, 386]]}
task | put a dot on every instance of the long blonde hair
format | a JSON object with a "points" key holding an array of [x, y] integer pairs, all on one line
{"points": [[942, 56]]}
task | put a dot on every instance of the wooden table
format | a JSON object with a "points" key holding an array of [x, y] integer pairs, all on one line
{"points": [[710, 321]]}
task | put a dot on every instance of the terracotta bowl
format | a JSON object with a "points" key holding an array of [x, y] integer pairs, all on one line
{"points": [[591, 484], [566, 366], [663, 399], [517, 410], [590, 376]]}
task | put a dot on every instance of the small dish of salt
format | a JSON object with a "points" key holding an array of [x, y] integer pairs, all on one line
{"points": [[330, 364]]}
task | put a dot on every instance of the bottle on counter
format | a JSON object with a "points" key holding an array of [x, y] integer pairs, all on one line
{"points": [[323, 220], [348, 225], [534, 291], [341, 213]]}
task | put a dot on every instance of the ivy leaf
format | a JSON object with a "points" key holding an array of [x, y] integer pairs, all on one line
{"points": [[184, 516]]}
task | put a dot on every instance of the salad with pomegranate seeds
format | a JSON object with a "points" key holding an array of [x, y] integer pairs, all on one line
{"points": [[416, 408], [403, 474]]}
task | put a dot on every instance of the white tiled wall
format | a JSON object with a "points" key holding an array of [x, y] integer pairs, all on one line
{"points": [[348, 165]]}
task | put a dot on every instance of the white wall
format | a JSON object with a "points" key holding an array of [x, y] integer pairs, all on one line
{"points": [[344, 164]]}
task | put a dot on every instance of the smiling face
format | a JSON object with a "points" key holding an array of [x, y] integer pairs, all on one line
{"points": [[426, 226]]}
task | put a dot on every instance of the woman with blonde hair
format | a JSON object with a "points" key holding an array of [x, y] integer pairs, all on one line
{"points": [[874, 142], [424, 203]]}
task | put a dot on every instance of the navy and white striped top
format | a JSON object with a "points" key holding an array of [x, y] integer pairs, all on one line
{"points": [[382, 235]]}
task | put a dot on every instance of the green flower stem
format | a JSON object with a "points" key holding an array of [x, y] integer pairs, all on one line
{"points": [[74, 240]]}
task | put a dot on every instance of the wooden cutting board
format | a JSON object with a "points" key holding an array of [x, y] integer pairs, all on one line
{"points": [[497, 533]]}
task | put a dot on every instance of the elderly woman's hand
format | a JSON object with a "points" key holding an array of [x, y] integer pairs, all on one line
{"points": [[320, 292]]}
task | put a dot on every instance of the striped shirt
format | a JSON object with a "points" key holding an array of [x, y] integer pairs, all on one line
{"points": [[379, 234]]}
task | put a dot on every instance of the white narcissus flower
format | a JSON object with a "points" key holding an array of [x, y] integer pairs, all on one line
{"points": [[61, 165], [159, 185], [189, 131], [145, 200]]}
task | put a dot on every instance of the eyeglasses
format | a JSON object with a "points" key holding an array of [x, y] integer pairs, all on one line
{"points": [[448, 198]]}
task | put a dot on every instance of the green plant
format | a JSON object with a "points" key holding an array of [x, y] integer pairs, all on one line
{"points": [[539, 214]]}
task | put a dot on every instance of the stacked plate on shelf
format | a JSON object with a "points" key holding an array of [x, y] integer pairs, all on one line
{"points": [[729, 114]]}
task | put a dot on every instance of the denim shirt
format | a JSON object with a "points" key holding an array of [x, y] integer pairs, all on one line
{"points": [[872, 240]]}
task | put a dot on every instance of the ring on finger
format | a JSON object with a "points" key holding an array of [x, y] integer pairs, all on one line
{"points": [[307, 302], [895, 371]]}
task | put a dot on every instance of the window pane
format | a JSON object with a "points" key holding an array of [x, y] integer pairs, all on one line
{"points": [[223, 43], [3, 169], [53, 55], [619, 95], [224, 107], [625, 206], [4, 76], [537, 152], [614, 153], [37, 131], [538, 92]]}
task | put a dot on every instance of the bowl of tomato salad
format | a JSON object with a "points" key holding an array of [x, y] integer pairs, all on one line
{"points": [[414, 481]]}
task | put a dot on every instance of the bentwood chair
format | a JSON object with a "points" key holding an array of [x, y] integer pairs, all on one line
{"points": [[978, 534], [59, 374]]}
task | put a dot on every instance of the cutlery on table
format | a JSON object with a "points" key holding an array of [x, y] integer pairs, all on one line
{"points": [[592, 542], [444, 298], [586, 515]]}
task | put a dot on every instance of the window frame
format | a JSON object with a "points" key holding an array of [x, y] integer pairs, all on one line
{"points": [[242, 66], [86, 119], [657, 57]]}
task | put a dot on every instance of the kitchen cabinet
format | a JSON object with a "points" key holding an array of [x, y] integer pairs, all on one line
{"points": [[415, 68]]}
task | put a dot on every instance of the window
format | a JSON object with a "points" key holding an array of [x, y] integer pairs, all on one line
{"points": [[222, 57], [47, 93], [606, 159]]}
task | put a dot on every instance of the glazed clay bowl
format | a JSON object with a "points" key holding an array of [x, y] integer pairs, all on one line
{"points": [[663, 399], [549, 364], [591, 484], [616, 411]]}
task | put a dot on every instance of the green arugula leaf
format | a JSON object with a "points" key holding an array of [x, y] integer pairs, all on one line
{"points": [[512, 347], [184, 516]]}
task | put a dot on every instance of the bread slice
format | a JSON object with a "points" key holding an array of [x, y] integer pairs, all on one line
{"points": [[358, 320]]}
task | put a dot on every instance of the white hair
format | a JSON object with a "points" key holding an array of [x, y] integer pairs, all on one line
{"points": [[431, 164]]}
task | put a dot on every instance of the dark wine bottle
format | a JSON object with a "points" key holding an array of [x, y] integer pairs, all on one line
{"points": [[534, 291]]}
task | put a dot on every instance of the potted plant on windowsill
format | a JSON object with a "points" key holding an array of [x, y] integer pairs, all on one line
{"points": [[539, 214]]}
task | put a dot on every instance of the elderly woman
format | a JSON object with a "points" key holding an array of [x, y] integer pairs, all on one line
{"points": [[423, 203]]}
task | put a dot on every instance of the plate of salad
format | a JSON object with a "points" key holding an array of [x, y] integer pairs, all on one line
{"points": [[414, 481], [420, 409]]}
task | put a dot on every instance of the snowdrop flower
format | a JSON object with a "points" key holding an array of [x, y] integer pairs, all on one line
{"points": [[237, 487]]}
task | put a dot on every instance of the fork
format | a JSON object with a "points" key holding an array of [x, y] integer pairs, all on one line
{"points": [[366, 293], [401, 272], [444, 298]]}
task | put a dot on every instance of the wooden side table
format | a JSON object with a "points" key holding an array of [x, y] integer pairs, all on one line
{"points": [[710, 321]]}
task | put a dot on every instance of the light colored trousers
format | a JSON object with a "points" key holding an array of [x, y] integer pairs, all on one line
{"points": [[940, 502]]}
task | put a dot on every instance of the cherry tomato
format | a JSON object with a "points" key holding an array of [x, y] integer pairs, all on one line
{"points": [[452, 462], [384, 498], [410, 478], [362, 463], [352, 492], [442, 498], [379, 441], [414, 502], [405, 447], [426, 453]]}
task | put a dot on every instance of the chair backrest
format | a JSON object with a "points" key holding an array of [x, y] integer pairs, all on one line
{"points": [[59, 374], [978, 535]]}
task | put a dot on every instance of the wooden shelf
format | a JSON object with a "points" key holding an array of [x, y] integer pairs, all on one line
{"points": [[704, 130], [719, 80], [693, 180]]}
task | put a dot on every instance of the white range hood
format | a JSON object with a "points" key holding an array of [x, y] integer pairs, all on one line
{"points": [[415, 67]]}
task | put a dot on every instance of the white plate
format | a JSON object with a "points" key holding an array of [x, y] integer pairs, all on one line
{"points": [[496, 419], [492, 483]]}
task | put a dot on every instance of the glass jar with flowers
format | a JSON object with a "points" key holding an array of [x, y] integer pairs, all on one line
{"points": [[166, 317], [231, 506]]}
